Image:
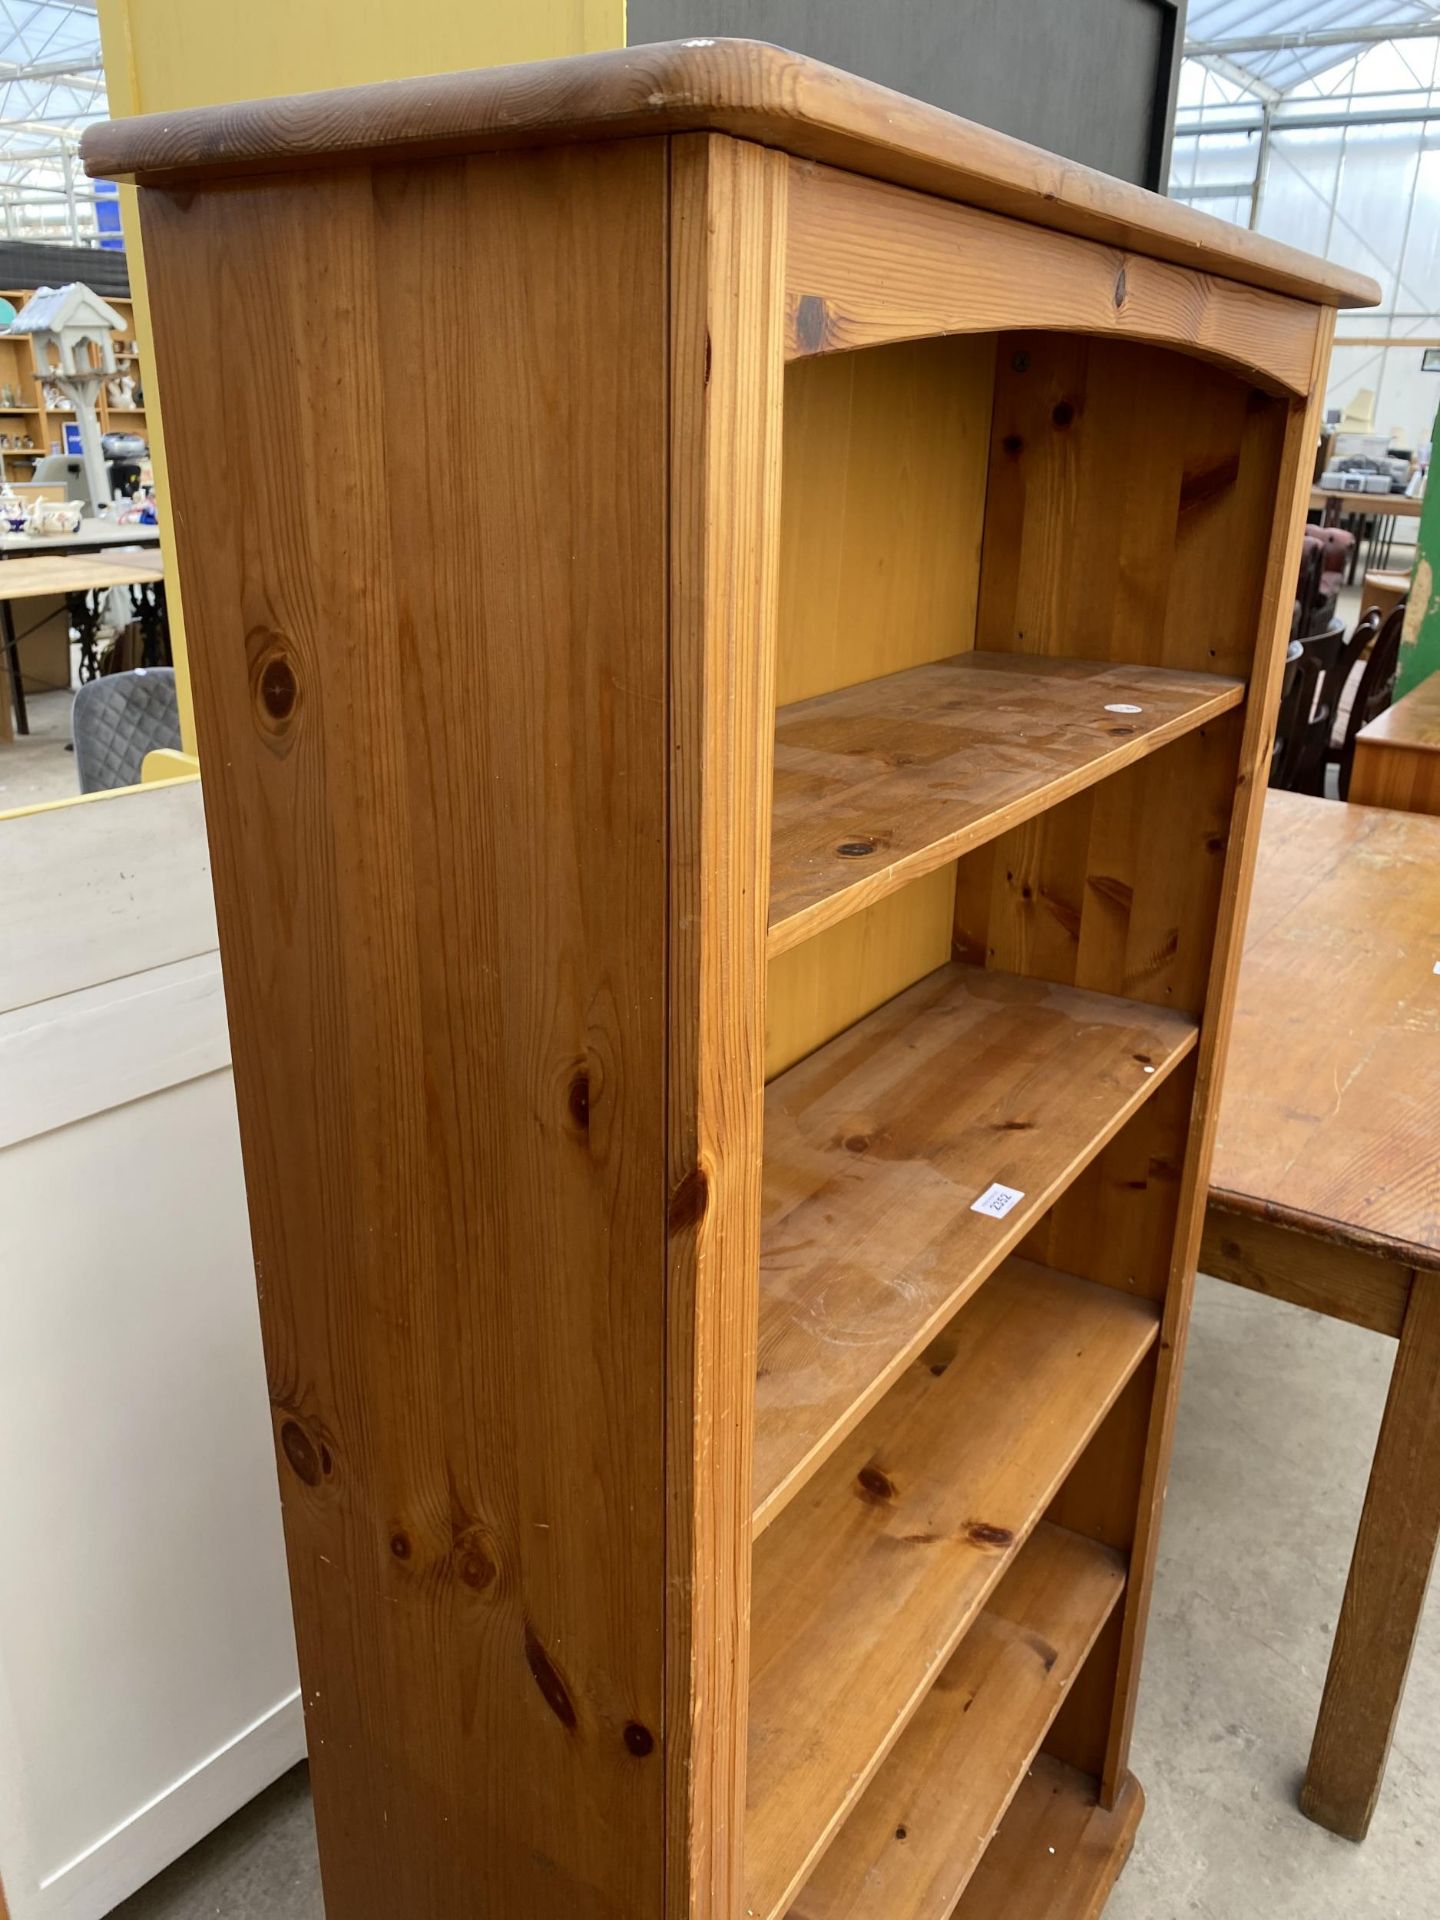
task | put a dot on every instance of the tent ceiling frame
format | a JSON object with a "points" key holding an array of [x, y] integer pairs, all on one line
{"points": [[1302, 39]]}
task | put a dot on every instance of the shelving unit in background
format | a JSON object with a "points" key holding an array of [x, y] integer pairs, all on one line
{"points": [[19, 369], [731, 919]]}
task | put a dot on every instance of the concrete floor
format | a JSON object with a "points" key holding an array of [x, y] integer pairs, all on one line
{"points": [[38, 765], [1277, 1425]]}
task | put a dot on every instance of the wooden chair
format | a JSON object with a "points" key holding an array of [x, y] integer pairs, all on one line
{"points": [[1374, 693], [1307, 585], [1287, 723], [1315, 722]]}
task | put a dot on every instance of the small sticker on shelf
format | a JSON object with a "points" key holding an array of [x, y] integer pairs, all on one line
{"points": [[997, 1200], [1122, 706]]}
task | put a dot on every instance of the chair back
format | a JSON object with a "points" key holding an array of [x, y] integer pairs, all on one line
{"points": [[1287, 722], [1336, 680], [1376, 689], [1308, 583], [116, 720], [1320, 657]]}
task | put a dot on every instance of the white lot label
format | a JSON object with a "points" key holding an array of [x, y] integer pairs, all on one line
{"points": [[997, 1200], [1122, 706]]}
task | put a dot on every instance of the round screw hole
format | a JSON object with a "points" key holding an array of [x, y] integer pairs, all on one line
{"points": [[854, 849]]}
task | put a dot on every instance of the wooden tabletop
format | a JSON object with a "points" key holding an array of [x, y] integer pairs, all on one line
{"points": [[27, 578], [1413, 722], [1330, 1119], [1393, 505], [741, 87]]}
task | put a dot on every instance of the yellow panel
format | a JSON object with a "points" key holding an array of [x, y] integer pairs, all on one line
{"points": [[164, 54], [196, 53], [886, 454], [884, 499], [817, 990]]}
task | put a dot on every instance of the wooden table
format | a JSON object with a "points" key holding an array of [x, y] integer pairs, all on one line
{"points": [[1386, 506], [1325, 1192], [1382, 509], [1397, 757], [75, 576]]}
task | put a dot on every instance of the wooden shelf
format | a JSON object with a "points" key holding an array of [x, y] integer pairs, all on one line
{"points": [[1058, 1852], [882, 782], [885, 1559], [908, 1848], [876, 1148]]}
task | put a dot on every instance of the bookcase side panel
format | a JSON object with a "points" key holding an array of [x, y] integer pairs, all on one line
{"points": [[430, 670]]}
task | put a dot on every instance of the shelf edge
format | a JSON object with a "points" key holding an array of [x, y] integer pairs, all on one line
{"points": [[841, 905]]}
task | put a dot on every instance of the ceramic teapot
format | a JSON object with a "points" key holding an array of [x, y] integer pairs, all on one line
{"points": [[54, 516]]}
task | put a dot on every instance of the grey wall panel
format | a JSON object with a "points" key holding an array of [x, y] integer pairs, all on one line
{"points": [[1087, 78]]}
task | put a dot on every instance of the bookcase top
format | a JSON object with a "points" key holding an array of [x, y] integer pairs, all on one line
{"points": [[740, 87]]}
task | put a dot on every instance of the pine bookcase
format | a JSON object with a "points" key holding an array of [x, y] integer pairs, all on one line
{"points": [[733, 783]]}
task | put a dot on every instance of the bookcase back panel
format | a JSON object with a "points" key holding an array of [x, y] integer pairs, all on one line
{"points": [[1107, 539], [1116, 1222], [1116, 889], [1103, 1499], [817, 990], [882, 508]]}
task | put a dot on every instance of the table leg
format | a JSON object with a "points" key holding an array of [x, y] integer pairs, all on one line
{"points": [[85, 618], [154, 629], [1384, 1595], [12, 655]]}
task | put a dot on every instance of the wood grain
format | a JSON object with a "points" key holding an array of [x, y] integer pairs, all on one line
{"points": [[1329, 1125], [1058, 1852], [876, 1148], [741, 87], [444, 936], [1397, 757], [883, 1562], [880, 783], [1116, 889], [1325, 1276], [1385, 1593], [1105, 540], [869, 263], [727, 231], [908, 1848]]}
